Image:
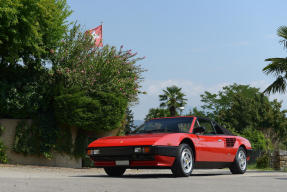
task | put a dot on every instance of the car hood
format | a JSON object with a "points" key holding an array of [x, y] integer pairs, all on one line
{"points": [[129, 140]]}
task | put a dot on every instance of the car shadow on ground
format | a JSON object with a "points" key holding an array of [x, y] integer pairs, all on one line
{"points": [[282, 178], [148, 176]]}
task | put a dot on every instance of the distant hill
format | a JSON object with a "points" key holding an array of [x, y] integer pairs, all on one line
{"points": [[138, 122]]}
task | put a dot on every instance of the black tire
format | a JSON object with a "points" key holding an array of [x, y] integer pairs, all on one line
{"points": [[238, 166], [115, 171], [178, 169]]}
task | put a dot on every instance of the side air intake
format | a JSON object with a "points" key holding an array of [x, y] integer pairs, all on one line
{"points": [[229, 142]]}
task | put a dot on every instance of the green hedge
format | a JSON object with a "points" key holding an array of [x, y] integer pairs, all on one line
{"points": [[3, 156], [102, 111], [263, 161]]}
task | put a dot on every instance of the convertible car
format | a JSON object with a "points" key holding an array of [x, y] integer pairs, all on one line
{"points": [[177, 143]]}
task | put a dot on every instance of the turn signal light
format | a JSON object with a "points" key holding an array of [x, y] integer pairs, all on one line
{"points": [[93, 152], [146, 149]]}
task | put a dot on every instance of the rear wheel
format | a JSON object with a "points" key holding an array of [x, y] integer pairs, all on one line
{"points": [[239, 165], [115, 171], [184, 161]]}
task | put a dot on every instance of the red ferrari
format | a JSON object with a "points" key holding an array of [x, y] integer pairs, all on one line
{"points": [[177, 143]]}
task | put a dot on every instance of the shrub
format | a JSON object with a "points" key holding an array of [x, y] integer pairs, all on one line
{"points": [[36, 139], [102, 111], [21, 100], [81, 144], [257, 139], [77, 62], [3, 156], [263, 161], [1, 129]]}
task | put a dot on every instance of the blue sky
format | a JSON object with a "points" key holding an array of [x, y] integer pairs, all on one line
{"points": [[197, 45]]}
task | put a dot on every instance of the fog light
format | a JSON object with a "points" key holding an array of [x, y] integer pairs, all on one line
{"points": [[138, 149]]}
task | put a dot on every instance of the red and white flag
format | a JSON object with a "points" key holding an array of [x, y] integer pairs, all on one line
{"points": [[97, 35]]}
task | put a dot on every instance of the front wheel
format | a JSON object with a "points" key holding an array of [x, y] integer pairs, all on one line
{"points": [[184, 161], [239, 165], [115, 171]]}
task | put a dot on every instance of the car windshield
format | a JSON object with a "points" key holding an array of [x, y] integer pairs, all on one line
{"points": [[173, 125]]}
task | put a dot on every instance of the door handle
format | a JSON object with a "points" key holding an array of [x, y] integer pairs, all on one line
{"points": [[219, 140]]}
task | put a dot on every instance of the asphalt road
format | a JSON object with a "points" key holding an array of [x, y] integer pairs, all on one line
{"points": [[39, 179]]}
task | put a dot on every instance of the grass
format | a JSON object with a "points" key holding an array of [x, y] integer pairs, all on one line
{"points": [[253, 167]]}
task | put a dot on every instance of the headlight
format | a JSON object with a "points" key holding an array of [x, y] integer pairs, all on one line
{"points": [[94, 152], [142, 149], [138, 149]]}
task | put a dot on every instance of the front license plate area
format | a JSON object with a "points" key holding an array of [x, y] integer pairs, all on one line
{"points": [[123, 163]]}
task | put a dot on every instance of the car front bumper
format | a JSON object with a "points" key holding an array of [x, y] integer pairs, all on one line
{"points": [[157, 157], [249, 153]]}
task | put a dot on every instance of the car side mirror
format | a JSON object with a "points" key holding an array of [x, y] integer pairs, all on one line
{"points": [[197, 130]]}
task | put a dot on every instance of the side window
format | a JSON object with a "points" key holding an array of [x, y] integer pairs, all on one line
{"points": [[209, 130], [218, 129], [184, 127], [196, 124]]}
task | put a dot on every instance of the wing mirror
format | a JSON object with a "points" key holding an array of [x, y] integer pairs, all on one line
{"points": [[197, 130]]}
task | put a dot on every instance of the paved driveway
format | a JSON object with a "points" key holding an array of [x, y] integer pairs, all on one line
{"points": [[38, 179]]}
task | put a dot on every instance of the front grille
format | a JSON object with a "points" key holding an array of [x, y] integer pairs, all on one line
{"points": [[115, 151], [230, 142], [120, 153], [127, 153], [124, 157]]}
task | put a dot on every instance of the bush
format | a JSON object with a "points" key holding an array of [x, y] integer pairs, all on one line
{"points": [[36, 139], [3, 157], [103, 111], [1, 129], [263, 161], [21, 101], [81, 144], [257, 139]]}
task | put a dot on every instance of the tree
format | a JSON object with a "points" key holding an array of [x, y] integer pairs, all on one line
{"points": [[30, 30], [222, 101], [77, 63], [173, 99], [157, 113], [278, 67], [246, 111], [130, 126], [93, 86]]}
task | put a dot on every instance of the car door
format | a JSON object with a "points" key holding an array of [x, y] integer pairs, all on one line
{"points": [[210, 146], [229, 143]]}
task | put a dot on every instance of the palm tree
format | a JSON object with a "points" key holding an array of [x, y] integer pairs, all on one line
{"points": [[278, 67], [173, 99]]}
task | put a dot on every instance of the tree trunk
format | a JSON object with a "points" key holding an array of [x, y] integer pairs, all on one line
{"points": [[172, 111]]}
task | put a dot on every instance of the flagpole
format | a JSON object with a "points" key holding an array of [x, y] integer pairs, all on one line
{"points": [[102, 30]]}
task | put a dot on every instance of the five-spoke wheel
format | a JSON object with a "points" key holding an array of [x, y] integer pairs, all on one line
{"points": [[184, 161], [240, 163]]}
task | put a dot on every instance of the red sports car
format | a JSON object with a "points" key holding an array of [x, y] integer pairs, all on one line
{"points": [[177, 143]]}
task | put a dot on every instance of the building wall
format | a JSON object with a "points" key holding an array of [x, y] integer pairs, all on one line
{"points": [[58, 160]]}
